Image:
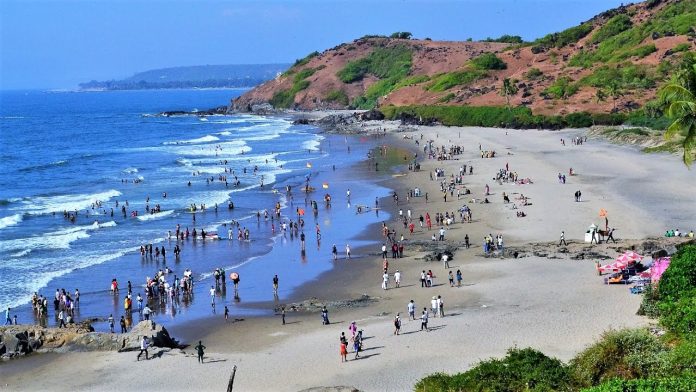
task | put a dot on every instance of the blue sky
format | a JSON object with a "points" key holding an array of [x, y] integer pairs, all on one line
{"points": [[57, 44]]}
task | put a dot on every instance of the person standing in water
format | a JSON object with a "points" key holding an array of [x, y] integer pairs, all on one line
{"points": [[275, 285]]}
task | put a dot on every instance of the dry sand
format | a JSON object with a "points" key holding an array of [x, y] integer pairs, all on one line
{"points": [[557, 306]]}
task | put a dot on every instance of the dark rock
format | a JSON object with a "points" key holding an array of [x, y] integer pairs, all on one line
{"points": [[301, 121], [372, 115]]}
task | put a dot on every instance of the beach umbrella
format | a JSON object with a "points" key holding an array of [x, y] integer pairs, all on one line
{"points": [[602, 213], [234, 276]]}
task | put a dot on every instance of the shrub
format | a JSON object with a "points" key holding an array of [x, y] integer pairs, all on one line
{"points": [[383, 63], [338, 96], [401, 35], [562, 88], [672, 384], [625, 76], [533, 73], [282, 99], [488, 61], [614, 26], [447, 98], [683, 47], [411, 80], [677, 292], [579, 120], [565, 37], [305, 60], [520, 370], [643, 51], [458, 78], [509, 39], [625, 354]]}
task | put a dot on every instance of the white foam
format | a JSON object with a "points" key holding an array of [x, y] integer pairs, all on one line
{"points": [[204, 139], [130, 170], [225, 133], [222, 150], [10, 220], [49, 204], [60, 239], [313, 144], [158, 215]]}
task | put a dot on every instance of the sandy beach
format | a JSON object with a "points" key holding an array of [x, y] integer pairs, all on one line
{"points": [[558, 306]]}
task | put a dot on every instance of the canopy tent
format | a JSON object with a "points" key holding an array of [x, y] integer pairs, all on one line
{"points": [[626, 259]]}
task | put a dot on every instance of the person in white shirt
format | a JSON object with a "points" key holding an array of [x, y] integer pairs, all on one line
{"points": [[347, 251], [143, 348], [411, 310], [397, 278], [212, 296], [433, 306], [445, 260], [385, 280]]}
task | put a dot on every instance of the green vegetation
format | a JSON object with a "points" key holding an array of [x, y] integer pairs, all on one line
{"points": [[626, 132], [565, 37], [401, 35], [533, 74], [643, 51], [520, 370], [626, 76], [508, 39], [446, 81], [497, 116], [305, 60], [683, 47], [384, 63], [562, 88], [390, 65], [674, 18], [679, 97], [612, 27], [488, 61], [338, 96], [286, 98], [448, 97], [411, 81], [671, 384], [508, 89]]}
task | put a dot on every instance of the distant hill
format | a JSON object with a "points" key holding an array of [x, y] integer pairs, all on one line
{"points": [[614, 62], [197, 76]]}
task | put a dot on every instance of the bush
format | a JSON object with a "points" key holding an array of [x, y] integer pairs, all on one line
{"points": [[677, 292], [509, 39], [579, 120], [401, 35], [305, 60], [520, 370], [458, 78], [562, 88], [565, 37], [673, 384], [338, 96], [643, 51], [625, 76], [283, 99], [624, 354], [488, 61], [533, 73], [683, 47], [614, 26], [382, 62]]}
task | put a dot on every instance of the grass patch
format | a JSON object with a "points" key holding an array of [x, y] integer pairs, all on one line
{"points": [[446, 98], [625, 76], [533, 74], [411, 81], [644, 51], [561, 88], [446, 81], [565, 37], [488, 61], [612, 27], [338, 96], [683, 47], [286, 98], [675, 18], [384, 63], [508, 39]]}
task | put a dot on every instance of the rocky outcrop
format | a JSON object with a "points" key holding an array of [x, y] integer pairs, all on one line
{"points": [[19, 340], [314, 305]]}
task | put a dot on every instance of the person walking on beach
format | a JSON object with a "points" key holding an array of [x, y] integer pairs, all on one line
{"points": [[459, 278], [451, 279], [199, 348], [111, 323], [441, 306], [347, 251], [397, 279], [424, 320], [282, 315], [445, 260], [61, 319], [143, 348], [334, 252], [146, 312], [562, 241], [344, 351], [397, 324], [212, 296], [122, 322], [227, 313], [8, 320], [610, 236], [324, 316], [385, 280], [411, 310], [275, 285]]}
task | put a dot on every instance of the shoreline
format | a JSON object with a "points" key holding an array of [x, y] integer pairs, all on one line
{"points": [[503, 301]]}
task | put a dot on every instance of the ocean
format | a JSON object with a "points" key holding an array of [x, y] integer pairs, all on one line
{"points": [[81, 153]]}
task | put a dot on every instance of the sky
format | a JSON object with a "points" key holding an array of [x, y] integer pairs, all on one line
{"points": [[58, 44]]}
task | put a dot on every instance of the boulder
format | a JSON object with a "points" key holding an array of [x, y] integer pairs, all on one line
{"points": [[157, 334]]}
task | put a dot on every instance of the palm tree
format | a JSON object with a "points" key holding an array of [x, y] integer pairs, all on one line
{"points": [[679, 97], [615, 93], [509, 88]]}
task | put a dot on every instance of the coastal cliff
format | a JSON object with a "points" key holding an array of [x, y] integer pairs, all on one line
{"points": [[614, 62]]}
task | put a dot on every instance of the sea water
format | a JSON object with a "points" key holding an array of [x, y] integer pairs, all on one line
{"points": [[82, 152]]}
